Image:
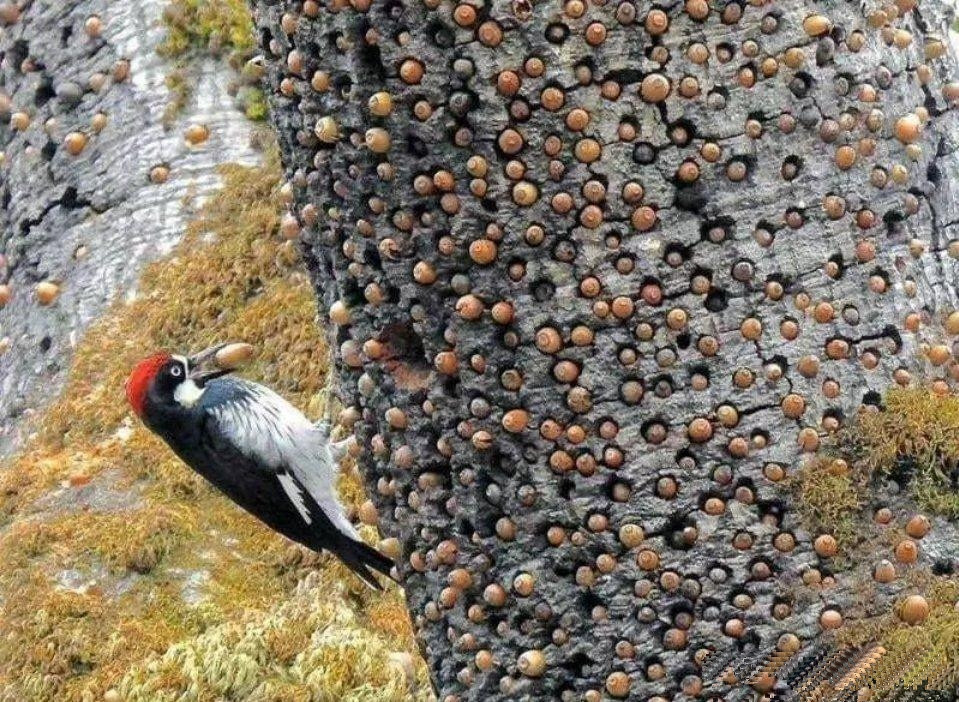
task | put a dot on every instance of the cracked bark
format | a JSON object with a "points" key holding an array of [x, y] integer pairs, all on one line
{"points": [[450, 481]]}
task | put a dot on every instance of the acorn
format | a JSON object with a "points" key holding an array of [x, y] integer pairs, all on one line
{"points": [[826, 545], [9, 13], [233, 355], [908, 129], [390, 547], [381, 104], [907, 551], [817, 25], [368, 513], [159, 174], [327, 130], [914, 609], [516, 420], [75, 143], [47, 292], [339, 313], [654, 88], [830, 619], [93, 26], [618, 684], [6, 294], [196, 134], [884, 572], [19, 121], [99, 122], [532, 663], [918, 526], [290, 226], [377, 140]]}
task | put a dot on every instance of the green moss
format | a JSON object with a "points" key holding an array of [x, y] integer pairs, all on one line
{"points": [[180, 89], [218, 27], [927, 652], [253, 101], [830, 498], [917, 435], [212, 25]]}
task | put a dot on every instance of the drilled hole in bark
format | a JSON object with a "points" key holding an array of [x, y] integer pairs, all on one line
{"points": [[717, 300], [692, 197], [405, 356], [556, 33], [441, 35], [44, 92], [943, 566], [792, 167], [725, 51], [644, 153], [543, 290], [801, 84]]}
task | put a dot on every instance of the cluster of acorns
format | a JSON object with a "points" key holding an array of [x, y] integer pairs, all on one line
{"points": [[599, 273]]}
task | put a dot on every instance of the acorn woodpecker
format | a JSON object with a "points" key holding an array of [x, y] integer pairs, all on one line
{"points": [[256, 448]]}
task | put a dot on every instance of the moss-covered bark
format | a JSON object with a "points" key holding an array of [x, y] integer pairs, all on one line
{"points": [[600, 273]]}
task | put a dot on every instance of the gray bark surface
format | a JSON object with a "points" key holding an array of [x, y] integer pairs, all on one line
{"points": [[472, 502], [90, 222]]}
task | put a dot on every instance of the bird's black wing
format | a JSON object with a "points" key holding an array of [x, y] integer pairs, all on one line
{"points": [[272, 493]]}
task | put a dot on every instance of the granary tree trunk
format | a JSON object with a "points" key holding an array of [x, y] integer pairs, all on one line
{"points": [[599, 274]]}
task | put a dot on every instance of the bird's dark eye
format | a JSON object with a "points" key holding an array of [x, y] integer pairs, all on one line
{"points": [[176, 371]]}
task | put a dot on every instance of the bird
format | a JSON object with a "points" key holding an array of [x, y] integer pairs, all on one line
{"points": [[256, 448]]}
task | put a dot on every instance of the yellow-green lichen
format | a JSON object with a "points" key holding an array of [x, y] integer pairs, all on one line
{"points": [[830, 497], [913, 439], [213, 25], [218, 27], [179, 89], [916, 437], [121, 569], [254, 104]]}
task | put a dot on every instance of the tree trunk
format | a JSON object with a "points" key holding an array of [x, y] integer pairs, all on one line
{"points": [[88, 74], [600, 274]]}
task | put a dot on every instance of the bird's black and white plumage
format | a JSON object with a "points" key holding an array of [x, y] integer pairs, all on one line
{"points": [[257, 449]]}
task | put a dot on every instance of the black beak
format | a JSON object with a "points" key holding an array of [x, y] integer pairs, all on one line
{"points": [[196, 362]]}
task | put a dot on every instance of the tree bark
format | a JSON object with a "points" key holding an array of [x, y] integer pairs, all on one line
{"points": [[89, 221], [600, 277]]}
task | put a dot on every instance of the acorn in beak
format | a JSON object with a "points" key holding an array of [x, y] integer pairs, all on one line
{"points": [[217, 361]]}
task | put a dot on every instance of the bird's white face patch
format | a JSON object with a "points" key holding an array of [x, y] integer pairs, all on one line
{"points": [[188, 393]]}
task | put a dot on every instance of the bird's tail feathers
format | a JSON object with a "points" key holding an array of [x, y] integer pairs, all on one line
{"points": [[362, 559]]}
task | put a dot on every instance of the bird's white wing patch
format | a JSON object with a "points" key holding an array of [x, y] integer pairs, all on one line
{"points": [[266, 427], [293, 491]]}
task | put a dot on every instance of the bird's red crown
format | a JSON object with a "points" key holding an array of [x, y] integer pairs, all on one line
{"points": [[139, 381]]}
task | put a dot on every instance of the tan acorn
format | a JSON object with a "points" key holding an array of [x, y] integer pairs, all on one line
{"points": [[233, 355], [47, 292]]}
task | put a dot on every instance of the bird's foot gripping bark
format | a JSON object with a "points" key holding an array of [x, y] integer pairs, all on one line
{"points": [[327, 423], [325, 401]]}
